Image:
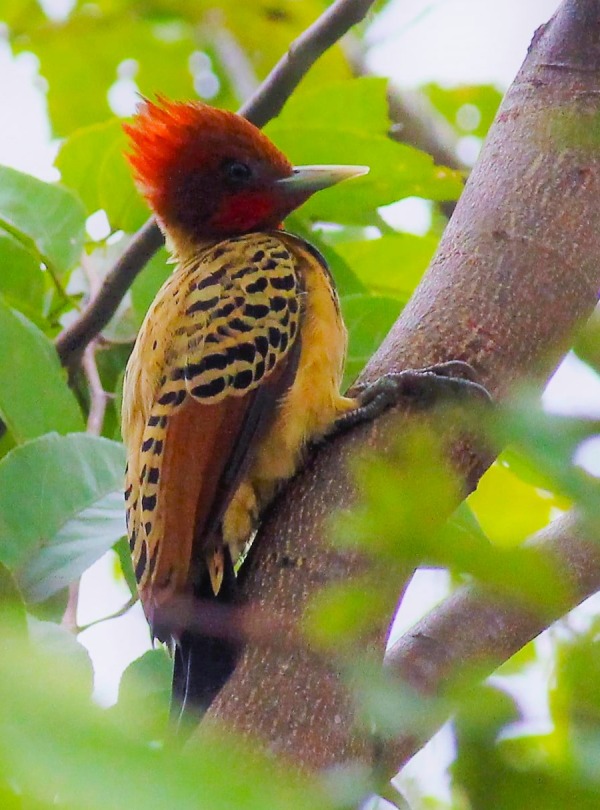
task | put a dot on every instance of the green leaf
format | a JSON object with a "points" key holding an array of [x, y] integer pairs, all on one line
{"points": [[34, 395], [485, 98], [91, 161], [339, 614], [118, 195], [121, 549], [55, 743], [79, 543], [20, 13], [357, 104], [148, 283], [59, 508], [392, 265], [145, 693], [54, 640], [587, 342], [85, 51], [549, 443], [530, 508], [21, 277], [13, 619], [465, 520], [347, 283], [369, 318], [44, 217], [397, 171]]}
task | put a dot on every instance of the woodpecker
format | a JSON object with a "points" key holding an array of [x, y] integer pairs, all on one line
{"points": [[237, 366]]}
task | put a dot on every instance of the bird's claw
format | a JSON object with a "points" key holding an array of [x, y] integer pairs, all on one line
{"points": [[423, 387]]}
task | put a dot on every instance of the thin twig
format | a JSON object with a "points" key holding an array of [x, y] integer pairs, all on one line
{"points": [[304, 51], [98, 397], [116, 615], [98, 400], [265, 104], [69, 619]]}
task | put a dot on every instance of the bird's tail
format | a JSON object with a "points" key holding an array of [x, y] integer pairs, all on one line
{"points": [[203, 663]]}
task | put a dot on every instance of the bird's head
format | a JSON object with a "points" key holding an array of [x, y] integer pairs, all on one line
{"points": [[210, 173]]}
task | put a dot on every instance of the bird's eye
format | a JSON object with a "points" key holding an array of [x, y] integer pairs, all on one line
{"points": [[237, 172]]}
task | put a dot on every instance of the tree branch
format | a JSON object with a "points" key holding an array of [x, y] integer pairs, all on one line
{"points": [[72, 341], [264, 104], [304, 51], [474, 631], [515, 273]]}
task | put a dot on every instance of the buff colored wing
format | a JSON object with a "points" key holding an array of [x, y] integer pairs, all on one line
{"points": [[214, 355]]}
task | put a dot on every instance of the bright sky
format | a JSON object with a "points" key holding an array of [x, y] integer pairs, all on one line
{"points": [[414, 41]]}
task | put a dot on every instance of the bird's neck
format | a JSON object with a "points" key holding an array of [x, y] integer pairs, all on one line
{"points": [[185, 247]]}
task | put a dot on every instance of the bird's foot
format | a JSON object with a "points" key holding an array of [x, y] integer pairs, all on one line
{"points": [[422, 387]]}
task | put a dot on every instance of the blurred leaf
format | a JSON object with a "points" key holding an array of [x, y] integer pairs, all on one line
{"points": [[368, 318], [510, 510], [118, 195], [516, 663], [91, 162], [397, 171], [145, 693], [20, 13], [121, 548], [79, 159], [43, 217], [575, 691], [402, 521], [464, 519], [97, 45], [148, 283], [13, 620], [339, 614], [58, 508], [394, 519], [358, 104], [498, 769], [21, 278], [55, 743], [392, 265], [147, 676], [587, 342], [549, 443], [29, 370], [449, 101], [390, 705], [57, 642]]}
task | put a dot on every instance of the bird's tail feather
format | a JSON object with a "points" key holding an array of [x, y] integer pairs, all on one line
{"points": [[203, 663]]}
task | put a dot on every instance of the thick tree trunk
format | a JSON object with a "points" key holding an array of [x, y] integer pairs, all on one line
{"points": [[517, 270]]}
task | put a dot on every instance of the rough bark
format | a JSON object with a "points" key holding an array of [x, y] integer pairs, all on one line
{"points": [[516, 272]]}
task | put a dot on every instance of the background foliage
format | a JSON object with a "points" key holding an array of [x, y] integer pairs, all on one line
{"points": [[60, 499]]}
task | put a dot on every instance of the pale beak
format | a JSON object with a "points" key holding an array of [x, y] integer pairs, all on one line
{"points": [[306, 179]]}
